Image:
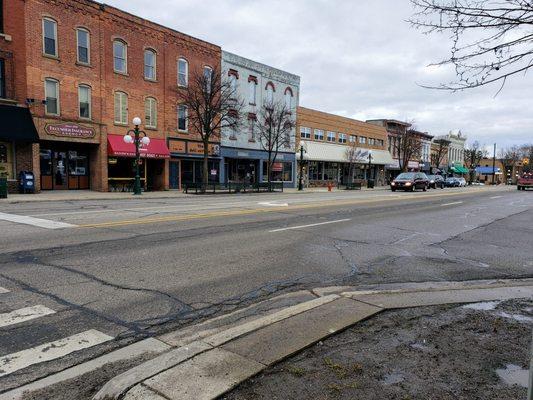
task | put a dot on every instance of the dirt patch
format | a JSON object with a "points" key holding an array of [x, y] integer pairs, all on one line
{"points": [[87, 385], [437, 353]]}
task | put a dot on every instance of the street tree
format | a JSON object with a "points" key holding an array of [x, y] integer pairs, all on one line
{"points": [[212, 105], [491, 40], [274, 125], [526, 151], [509, 157], [437, 156], [408, 147], [473, 155], [354, 155]]}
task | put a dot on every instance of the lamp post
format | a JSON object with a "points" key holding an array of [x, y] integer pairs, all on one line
{"points": [[368, 185], [300, 180], [138, 142]]}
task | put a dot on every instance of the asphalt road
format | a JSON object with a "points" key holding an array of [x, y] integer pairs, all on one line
{"points": [[118, 271]]}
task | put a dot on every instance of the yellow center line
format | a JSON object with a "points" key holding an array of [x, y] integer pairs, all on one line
{"points": [[217, 214]]}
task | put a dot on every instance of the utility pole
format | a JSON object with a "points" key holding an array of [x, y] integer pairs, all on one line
{"points": [[494, 164]]}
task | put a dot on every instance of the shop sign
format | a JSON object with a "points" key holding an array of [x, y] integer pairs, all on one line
{"points": [[112, 161], [177, 146], [213, 172], [277, 167], [198, 148], [71, 130]]}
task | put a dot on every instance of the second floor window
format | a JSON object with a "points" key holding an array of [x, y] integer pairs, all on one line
{"points": [[84, 98], [1, 16], [50, 37], [319, 134], [342, 138], [183, 72], [149, 65], [120, 56], [362, 139], [82, 37], [352, 138], [208, 75], [252, 91], [269, 93], [3, 94], [288, 99], [121, 108], [150, 111], [331, 136], [305, 133], [51, 90], [182, 118]]}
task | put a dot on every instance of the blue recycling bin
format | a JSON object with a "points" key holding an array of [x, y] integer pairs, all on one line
{"points": [[26, 182]]}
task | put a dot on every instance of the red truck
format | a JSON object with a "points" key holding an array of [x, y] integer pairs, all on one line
{"points": [[525, 182]]}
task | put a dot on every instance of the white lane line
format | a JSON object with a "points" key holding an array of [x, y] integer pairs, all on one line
{"points": [[451, 204], [24, 314], [41, 223], [3, 290], [273, 204], [310, 225], [51, 351], [496, 197]]}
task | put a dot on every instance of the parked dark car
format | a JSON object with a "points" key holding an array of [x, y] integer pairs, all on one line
{"points": [[410, 181], [452, 182], [436, 181]]}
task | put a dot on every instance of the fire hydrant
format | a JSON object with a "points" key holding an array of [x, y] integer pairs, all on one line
{"points": [[330, 186]]}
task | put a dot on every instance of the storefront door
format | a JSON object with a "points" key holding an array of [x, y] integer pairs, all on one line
{"points": [[64, 169], [59, 164], [174, 175]]}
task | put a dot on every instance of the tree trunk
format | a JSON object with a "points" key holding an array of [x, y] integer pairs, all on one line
{"points": [[269, 171], [205, 171]]}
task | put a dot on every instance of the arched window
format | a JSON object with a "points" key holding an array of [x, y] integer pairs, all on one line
{"points": [[84, 101], [84, 46], [50, 37], [288, 98], [120, 57], [183, 72], [51, 92], [150, 61], [121, 108], [270, 92], [150, 112]]}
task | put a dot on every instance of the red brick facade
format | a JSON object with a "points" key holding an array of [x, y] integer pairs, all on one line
{"points": [[104, 24]]}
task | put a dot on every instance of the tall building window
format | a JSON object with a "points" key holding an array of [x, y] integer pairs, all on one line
{"points": [[51, 91], [353, 138], [120, 57], [50, 37], [305, 133], [1, 16], [371, 141], [269, 93], [182, 118], [319, 134], [233, 85], [84, 99], [150, 112], [208, 75], [3, 94], [362, 139], [150, 65], [252, 91], [331, 136], [121, 108], [342, 138], [288, 99], [183, 72], [251, 127], [82, 37]]}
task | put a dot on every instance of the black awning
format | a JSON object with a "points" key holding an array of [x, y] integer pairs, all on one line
{"points": [[16, 124]]}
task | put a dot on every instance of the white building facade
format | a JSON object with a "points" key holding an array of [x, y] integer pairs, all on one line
{"points": [[243, 155], [456, 149]]}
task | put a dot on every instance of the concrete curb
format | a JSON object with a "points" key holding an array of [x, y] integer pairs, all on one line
{"points": [[233, 355]]}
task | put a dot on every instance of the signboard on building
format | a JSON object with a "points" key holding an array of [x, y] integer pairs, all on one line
{"points": [[192, 147], [71, 130]]}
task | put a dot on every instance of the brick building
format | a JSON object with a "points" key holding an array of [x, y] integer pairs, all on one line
{"points": [[89, 69], [337, 148]]}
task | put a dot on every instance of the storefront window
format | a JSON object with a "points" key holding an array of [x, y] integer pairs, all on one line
{"points": [[6, 160], [78, 164], [315, 170], [331, 171], [46, 162], [281, 172]]}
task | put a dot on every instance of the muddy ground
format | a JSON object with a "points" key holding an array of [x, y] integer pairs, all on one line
{"points": [[437, 353]]}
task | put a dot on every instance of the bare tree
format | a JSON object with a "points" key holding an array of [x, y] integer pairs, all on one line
{"points": [[437, 157], [473, 155], [526, 152], [274, 124], [408, 147], [491, 39], [509, 157], [354, 155], [213, 105]]}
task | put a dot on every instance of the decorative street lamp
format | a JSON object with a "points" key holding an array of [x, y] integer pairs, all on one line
{"points": [[369, 163], [300, 180], [138, 141]]}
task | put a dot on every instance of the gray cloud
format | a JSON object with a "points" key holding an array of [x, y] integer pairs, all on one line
{"points": [[356, 58]]}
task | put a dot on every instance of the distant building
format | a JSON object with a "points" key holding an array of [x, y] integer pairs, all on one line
{"points": [[456, 151], [243, 156], [337, 149]]}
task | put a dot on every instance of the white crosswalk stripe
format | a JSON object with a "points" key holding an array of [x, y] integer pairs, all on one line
{"points": [[39, 222], [51, 351], [24, 314]]}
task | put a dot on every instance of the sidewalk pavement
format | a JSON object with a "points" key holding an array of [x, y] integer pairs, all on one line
{"points": [[86, 195], [209, 359]]}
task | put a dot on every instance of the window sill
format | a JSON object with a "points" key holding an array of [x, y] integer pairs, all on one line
{"points": [[232, 138], [186, 131], [252, 141], [151, 80], [55, 116], [80, 64], [121, 73], [119, 124], [51, 57], [183, 87], [86, 119], [6, 37], [150, 128]]}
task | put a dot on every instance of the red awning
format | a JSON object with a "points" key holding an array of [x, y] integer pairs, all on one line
{"points": [[116, 147]]}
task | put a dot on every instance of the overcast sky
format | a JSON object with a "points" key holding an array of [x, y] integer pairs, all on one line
{"points": [[358, 59]]}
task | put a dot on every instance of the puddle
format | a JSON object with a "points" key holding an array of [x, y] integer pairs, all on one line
{"points": [[517, 317], [485, 306], [514, 375], [393, 378]]}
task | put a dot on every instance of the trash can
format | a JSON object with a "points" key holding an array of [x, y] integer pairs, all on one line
{"points": [[370, 184], [3, 187], [26, 182]]}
